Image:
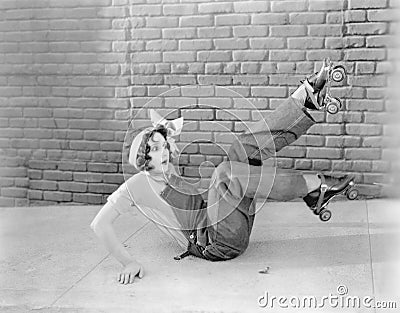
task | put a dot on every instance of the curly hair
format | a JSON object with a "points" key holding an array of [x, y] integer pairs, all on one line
{"points": [[143, 158]]}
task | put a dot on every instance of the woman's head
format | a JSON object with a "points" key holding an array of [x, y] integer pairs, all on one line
{"points": [[150, 150]]}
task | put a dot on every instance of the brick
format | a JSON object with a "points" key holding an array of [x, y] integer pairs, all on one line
{"points": [[343, 141], [196, 44], [365, 105], [269, 92], [250, 80], [367, 4], [179, 9], [288, 6], [71, 166], [302, 164], [334, 18], [197, 91], [326, 129], [267, 43], [163, 21], [355, 16], [249, 55], [180, 56], [345, 117], [366, 28], [249, 67], [11, 112], [256, 6], [84, 124], [380, 166], [329, 153], [284, 30], [57, 196], [179, 80], [250, 31], [381, 41], [12, 133], [194, 114], [42, 164], [232, 19], [321, 165], [216, 102], [270, 19], [87, 198], [43, 185], [367, 81], [363, 129], [363, 153], [384, 15], [113, 178], [102, 188], [310, 140], [376, 93], [84, 145], [14, 192], [289, 55], [284, 163], [102, 167], [325, 30], [72, 186], [196, 136], [6, 202], [306, 18], [189, 21], [326, 5], [213, 56], [145, 10], [213, 149], [365, 67], [35, 194], [225, 7], [57, 175], [98, 92], [179, 33], [375, 142], [233, 115], [376, 118], [305, 43], [223, 126]]}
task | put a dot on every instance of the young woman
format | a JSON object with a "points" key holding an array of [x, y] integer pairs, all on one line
{"points": [[221, 229]]}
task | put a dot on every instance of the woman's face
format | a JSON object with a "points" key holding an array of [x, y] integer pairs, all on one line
{"points": [[159, 153]]}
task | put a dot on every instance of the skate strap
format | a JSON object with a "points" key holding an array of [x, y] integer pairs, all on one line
{"points": [[323, 189], [310, 92]]}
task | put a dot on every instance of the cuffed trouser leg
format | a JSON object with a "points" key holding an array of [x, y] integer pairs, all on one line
{"points": [[235, 184]]}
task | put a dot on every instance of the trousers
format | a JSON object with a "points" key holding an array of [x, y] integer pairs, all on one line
{"points": [[250, 174]]}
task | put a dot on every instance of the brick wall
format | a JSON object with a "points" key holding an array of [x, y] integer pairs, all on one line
{"points": [[73, 72]]}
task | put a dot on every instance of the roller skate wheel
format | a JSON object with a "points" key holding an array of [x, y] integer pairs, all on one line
{"points": [[325, 215], [332, 108], [338, 74], [352, 194]]}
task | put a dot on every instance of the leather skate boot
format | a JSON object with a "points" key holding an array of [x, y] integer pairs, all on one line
{"points": [[317, 87], [318, 199]]}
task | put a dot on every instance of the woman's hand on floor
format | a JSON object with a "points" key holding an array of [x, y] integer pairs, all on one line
{"points": [[129, 272]]}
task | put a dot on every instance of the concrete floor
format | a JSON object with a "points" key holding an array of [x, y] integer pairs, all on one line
{"points": [[50, 261]]}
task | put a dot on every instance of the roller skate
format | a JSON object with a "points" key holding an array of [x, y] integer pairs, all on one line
{"points": [[318, 88], [331, 187]]}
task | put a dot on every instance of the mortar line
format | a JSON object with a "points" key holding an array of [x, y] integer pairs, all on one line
{"points": [[95, 266], [370, 254]]}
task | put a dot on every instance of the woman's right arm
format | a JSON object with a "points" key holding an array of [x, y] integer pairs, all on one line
{"points": [[103, 227]]}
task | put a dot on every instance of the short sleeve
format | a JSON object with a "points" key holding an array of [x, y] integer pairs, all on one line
{"points": [[121, 200]]}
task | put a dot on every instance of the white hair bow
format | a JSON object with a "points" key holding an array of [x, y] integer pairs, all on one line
{"points": [[174, 128]]}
